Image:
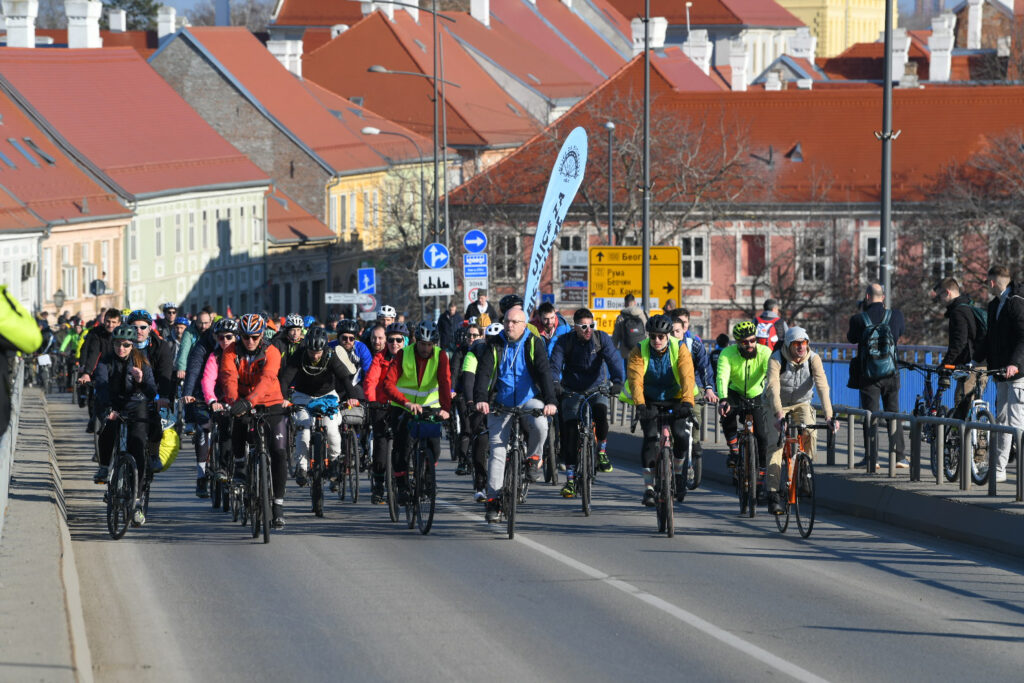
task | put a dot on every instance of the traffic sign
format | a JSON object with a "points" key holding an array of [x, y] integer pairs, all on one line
{"points": [[474, 265], [367, 278], [436, 281], [471, 286], [370, 305], [436, 255], [615, 272], [347, 298], [475, 241]]}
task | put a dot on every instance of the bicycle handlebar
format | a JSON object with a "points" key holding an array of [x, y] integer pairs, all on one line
{"points": [[516, 411]]}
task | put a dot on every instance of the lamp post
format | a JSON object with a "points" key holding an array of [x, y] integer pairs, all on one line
{"points": [[646, 229], [886, 137], [610, 127]]}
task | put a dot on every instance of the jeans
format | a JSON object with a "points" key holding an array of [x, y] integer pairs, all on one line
{"points": [[888, 389], [500, 429]]}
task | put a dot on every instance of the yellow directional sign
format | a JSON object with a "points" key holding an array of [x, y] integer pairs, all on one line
{"points": [[615, 272]]}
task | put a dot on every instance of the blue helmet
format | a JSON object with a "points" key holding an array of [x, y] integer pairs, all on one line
{"points": [[308, 321], [181, 320]]}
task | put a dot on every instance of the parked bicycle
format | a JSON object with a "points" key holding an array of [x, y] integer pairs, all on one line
{"points": [[980, 439]]}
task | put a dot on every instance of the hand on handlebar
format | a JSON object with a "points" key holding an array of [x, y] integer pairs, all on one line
{"points": [[483, 408], [1011, 371], [443, 414], [414, 408], [188, 399], [724, 408], [550, 409]]}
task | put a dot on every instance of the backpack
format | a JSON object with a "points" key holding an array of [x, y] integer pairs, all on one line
{"points": [[876, 349], [980, 332], [766, 332], [633, 331]]}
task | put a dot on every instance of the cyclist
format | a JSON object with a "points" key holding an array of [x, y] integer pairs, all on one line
{"points": [[385, 316], [418, 378], [193, 334], [69, 346], [287, 341], [124, 386], [660, 370], [378, 339], [225, 331], [794, 372], [98, 343], [463, 337], [352, 353], [158, 353], [551, 325], [248, 372], [373, 388], [515, 373], [582, 360], [965, 345], [315, 372], [742, 369], [704, 377], [164, 324], [474, 431]]}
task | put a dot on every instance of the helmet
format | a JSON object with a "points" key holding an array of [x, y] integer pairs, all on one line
{"points": [[140, 314], [316, 340], [124, 332], [181, 320], [659, 324], [225, 325], [510, 301], [427, 331], [742, 330], [386, 311], [308, 321], [293, 320], [493, 330], [125, 312], [167, 305], [268, 333], [461, 336], [348, 326], [397, 328], [795, 334], [251, 324]]}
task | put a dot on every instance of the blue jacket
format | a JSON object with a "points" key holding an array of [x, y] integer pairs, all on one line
{"points": [[702, 372], [562, 328], [580, 365]]}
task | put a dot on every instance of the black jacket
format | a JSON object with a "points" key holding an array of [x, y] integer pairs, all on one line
{"points": [[876, 312], [446, 326], [962, 330], [1006, 332], [536, 364], [297, 372], [161, 358], [98, 343], [115, 388], [473, 311]]}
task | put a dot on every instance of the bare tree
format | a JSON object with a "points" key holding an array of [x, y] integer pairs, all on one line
{"points": [[252, 14]]}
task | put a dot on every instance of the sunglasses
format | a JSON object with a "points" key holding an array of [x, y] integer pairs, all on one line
{"points": [[226, 336], [141, 327], [347, 337], [126, 345], [658, 335], [747, 342], [586, 326], [396, 340], [252, 337]]}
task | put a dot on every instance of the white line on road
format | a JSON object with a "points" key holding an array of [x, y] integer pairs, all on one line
{"points": [[703, 625]]}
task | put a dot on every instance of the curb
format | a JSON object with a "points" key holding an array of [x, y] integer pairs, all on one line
{"points": [[81, 656]]}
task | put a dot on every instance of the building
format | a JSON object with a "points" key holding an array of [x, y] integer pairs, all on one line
{"points": [[838, 24]]}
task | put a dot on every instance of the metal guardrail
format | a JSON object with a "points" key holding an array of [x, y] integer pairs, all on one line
{"points": [[7, 442], [851, 435]]}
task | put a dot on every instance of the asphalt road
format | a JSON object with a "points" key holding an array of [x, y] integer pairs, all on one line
{"points": [[353, 597]]}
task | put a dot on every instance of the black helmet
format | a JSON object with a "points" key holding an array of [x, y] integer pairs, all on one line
{"points": [[659, 324], [427, 331], [510, 301], [348, 326], [462, 336], [397, 328], [225, 326], [316, 339], [124, 332]]}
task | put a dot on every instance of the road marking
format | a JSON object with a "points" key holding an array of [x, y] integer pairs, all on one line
{"points": [[703, 625]]}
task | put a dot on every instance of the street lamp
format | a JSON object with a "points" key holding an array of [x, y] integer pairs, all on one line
{"points": [[58, 299], [610, 127], [646, 228]]}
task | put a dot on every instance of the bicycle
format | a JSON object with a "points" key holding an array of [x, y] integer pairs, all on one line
{"points": [[253, 495], [977, 412], [929, 403], [552, 451], [585, 466], [348, 465], [421, 480], [796, 488], [664, 472], [390, 482], [745, 475], [515, 486], [217, 476], [127, 495], [319, 465]]}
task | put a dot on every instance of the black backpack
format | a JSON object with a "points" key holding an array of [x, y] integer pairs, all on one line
{"points": [[980, 332], [633, 331], [876, 349]]}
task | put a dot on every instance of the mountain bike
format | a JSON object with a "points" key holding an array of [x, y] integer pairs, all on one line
{"points": [[586, 443], [977, 412], [127, 495], [254, 494], [749, 471], [515, 486], [796, 487], [319, 463], [348, 465], [421, 480]]}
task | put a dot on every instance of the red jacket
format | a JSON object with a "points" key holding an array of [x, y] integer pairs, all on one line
{"points": [[253, 378], [374, 376], [389, 390]]}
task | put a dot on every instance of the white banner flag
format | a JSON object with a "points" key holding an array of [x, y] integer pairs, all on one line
{"points": [[565, 180]]}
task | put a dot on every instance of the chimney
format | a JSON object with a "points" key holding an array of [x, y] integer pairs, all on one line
{"points": [[974, 24], [738, 65], [385, 6], [481, 11], [774, 80], [699, 49], [802, 45], [166, 19], [84, 23], [337, 30], [414, 12], [289, 53], [118, 20], [909, 77], [222, 13], [21, 22], [900, 53], [805, 83], [656, 34], [940, 44]]}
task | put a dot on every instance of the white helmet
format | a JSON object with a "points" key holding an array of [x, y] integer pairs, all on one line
{"points": [[493, 330], [387, 312]]}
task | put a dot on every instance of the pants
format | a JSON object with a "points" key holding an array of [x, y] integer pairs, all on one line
{"points": [[199, 416], [276, 436], [478, 445], [967, 390], [500, 429], [888, 388], [801, 412], [381, 440], [1009, 411], [652, 440], [137, 431], [570, 426], [303, 423], [762, 424], [400, 425]]}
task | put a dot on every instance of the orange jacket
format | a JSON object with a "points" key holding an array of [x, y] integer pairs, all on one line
{"points": [[253, 378]]}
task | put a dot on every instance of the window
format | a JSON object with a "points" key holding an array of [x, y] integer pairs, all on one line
{"points": [[1007, 251], [352, 210], [89, 273], [366, 210], [206, 232], [343, 214], [872, 259], [693, 257], [572, 243], [941, 259], [158, 237], [332, 210], [191, 231], [69, 281], [376, 208], [45, 274], [104, 258], [506, 257], [133, 241], [179, 238], [814, 259], [86, 252], [257, 227], [752, 255], [65, 256]]}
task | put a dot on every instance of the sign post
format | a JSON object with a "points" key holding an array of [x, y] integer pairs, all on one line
{"points": [[614, 272]]}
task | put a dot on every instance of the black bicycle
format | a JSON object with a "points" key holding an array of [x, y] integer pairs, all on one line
{"points": [[348, 464], [587, 443], [320, 409], [218, 479], [127, 495], [253, 495], [749, 470], [516, 485], [421, 481], [552, 451], [664, 470]]}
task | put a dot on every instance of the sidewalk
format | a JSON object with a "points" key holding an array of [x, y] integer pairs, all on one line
{"points": [[42, 633]]}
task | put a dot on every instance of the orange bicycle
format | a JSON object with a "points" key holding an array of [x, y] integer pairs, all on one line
{"points": [[796, 488]]}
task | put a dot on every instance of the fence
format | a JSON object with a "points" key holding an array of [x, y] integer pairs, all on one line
{"points": [[15, 382]]}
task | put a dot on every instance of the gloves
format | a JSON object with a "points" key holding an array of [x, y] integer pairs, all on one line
{"points": [[240, 407], [684, 410], [615, 389]]}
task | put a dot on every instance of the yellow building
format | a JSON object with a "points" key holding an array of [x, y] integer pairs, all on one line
{"points": [[838, 24]]}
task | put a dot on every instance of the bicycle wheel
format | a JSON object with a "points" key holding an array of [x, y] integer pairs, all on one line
{"points": [[120, 494], [751, 465], [981, 442], [426, 491], [253, 492], [316, 470], [665, 493], [411, 485], [782, 520], [351, 467], [804, 506], [951, 452], [510, 491], [265, 493], [551, 454], [392, 489], [585, 468]]}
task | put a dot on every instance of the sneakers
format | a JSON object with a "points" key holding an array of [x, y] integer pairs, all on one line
{"points": [[533, 470], [202, 490], [300, 476], [493, 512], [680, 487], [734, 459], [155, 465], [463, 469], [139, 518], [1000, 476], [774, 504], [479, 496], [903, 463], [377, 492], [603, 463], [569, 490], [277, 514], [101, 475], [649, 497]]}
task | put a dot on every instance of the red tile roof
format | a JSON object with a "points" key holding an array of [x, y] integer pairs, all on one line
{"points": [[57, 192], [714, 12], [15, 216], [143, 42], [480, 113], [119, 113], [834, 128], [316, 12], [284, 97], [288, 222], [680, 71]]}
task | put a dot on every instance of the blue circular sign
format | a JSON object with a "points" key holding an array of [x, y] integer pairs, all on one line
{"points": [[436, 255], [475, 241]]}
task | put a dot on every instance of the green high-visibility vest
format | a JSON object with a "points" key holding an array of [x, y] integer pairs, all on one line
{"points": [[424, 391]]}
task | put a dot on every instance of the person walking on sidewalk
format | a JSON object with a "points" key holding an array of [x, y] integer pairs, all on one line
{"points": [[967, 338], [1006, 350]]}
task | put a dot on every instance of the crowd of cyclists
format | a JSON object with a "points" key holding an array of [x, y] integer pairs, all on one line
{"points": [[217, 370]]}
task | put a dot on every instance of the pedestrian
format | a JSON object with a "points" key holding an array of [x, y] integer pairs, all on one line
{"points": [[966, 341], [630, 327], [484, 312], [877, 330], [770, 325], [447, 323], [1006, 350]]}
